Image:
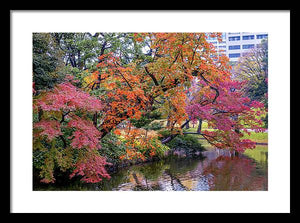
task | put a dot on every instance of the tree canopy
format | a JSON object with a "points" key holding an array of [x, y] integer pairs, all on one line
{"points": [[123, 77]]}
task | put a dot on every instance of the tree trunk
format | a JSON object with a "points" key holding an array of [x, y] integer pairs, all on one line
{"points": [[199, 126], [187, 125], [40, 114], [80, 65], [235, 118], [95, 116], [168, 121]]}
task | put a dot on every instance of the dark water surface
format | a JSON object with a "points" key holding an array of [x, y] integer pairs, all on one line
{"points": [[216, 170]]}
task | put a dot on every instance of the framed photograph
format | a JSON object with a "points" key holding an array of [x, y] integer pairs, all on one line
{"points": [[140, 111]]}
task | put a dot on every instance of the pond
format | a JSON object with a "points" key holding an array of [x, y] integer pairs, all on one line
{"points": [[214, 170]]}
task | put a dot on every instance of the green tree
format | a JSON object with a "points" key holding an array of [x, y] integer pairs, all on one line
{"points": [[47, 60], [253, 67]]}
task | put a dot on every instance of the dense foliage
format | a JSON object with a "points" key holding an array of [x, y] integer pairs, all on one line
{"points": [[47, 61], [118, 84]]}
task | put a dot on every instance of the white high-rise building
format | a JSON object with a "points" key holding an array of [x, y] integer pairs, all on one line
{"points": [[237, 44]]}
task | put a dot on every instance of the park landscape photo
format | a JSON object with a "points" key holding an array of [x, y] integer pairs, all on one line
{"points": [[172, 111]]}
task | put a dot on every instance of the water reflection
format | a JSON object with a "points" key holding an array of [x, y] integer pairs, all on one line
{"points": [[218, 170], [215, 170]]}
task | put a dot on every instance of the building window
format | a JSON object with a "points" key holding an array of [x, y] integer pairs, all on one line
{"points": [[262, 36], [234, 55], [248, 46], [211, 38], [248, 37], [234, 47], [234, 38]]}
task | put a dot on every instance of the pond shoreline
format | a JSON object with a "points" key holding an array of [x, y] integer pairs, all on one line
{"points": [[178, 153], [213, 169]]}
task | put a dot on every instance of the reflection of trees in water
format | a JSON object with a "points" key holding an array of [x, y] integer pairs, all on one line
{"points": [[138, 177], [116, 179], [218, 171], [184, 173], [152, 171], [150, 174], [235, 173], [175, 182], [182, 166], [157, 175]]}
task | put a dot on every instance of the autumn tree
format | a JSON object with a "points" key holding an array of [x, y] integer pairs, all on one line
{"points": [[64, 134], [162, 82], [231, 115], [146, 72]]}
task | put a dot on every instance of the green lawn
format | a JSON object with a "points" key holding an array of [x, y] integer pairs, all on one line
{"points": [[261, 137]]}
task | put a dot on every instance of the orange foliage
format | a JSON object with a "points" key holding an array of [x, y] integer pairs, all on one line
{"points": [[132, 88]]}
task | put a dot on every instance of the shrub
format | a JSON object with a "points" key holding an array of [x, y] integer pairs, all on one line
{"points": [[188, 143], [112, 147], [155, 126], [163, 133]]}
